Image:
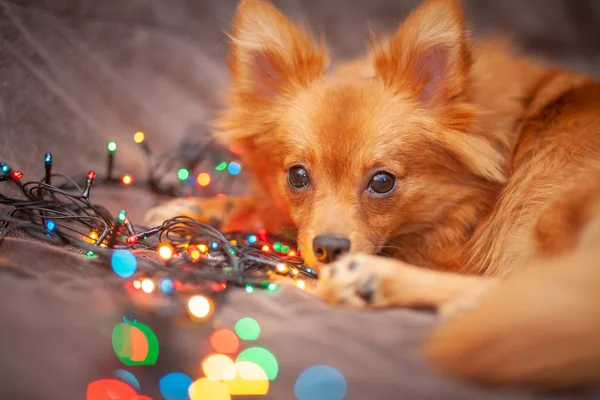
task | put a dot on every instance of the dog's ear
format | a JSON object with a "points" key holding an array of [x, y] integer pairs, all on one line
{"points": [[269, 54], [428, 55]]}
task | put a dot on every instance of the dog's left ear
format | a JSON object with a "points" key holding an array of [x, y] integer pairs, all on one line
{"points": [[269, 54], [429, 55]]}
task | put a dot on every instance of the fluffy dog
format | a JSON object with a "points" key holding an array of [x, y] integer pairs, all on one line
{"points": [[473, 169]]}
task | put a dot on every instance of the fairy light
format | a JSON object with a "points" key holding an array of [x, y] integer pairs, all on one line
{"points": [[4, 168], [301, 284], [50, 225], [203, 179], [122, 216], [234, 168], [194, 253], [285, 249], [252, 239], [214, 245], [131, 240], [93, 235], [112, 148], [295, 271], [266, 248], [292, 253], [48, 168], [127, 179], [91, 178], [203, 248], [282, 268], [276, 246], [147, 285], [137, 284], [233, 242], [221, 166], [165, 251], [139, 137], [249, 288], [13, 176]]}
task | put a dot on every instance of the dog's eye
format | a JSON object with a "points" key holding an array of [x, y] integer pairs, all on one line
{"points": [[298, 177], [382, 182]]}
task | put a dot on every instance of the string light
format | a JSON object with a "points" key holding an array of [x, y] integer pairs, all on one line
{"points": [[221, 166], [249, 288], [48, 168], [285, 249], [4, 168], [203, 248], [137, 284], [127, 179], [295, 271], [252, 239], [112, 146], [194, 253], [138, 137], [203, 179], [165, 251], [266, 248], [93, 235], [282, 268], [91, 177], [50, 225], [292, 253], [13, 176], [301, 284]]}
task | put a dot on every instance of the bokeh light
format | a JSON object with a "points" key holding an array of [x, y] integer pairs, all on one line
{"points": [[252, 239], [321, 382], [123, 263], [224, 341], [137, 284], [246, 378], [301, 284], [112, 146], [206, 389], [129, 378], [234, 168], [148, 285], [138, 137], [165, 251], [135, 344], [215, 365], [174, 386], [127, 179], [109, 389], [203, 179], [166, 285], [50, 225], [199, 306], [221, 166], [261, 357], [183, 174], [247, 329]]}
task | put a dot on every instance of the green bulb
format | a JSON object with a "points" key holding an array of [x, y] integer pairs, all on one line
{"points": [[247, 329], [277, 246], [249, 289], [89, 254], [122, 215], [222, 165], [183, 174], [285, 249], [272, 287], [112, 146]]}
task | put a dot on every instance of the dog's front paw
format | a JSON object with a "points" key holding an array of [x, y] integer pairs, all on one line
{"points": [[203, 210], [356, 280]]}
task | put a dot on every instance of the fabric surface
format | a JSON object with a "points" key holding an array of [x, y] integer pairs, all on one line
{"points": [[77, 73]]}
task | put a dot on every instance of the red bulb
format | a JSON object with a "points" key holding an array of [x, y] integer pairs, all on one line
{"points": [[92, 175], [16, 175], [131, 240]]}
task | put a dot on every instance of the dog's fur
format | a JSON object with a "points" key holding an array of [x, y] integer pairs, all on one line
{"points": [[497, 165]]}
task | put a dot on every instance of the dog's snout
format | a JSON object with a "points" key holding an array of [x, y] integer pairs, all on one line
{"points": [[329, 247]]}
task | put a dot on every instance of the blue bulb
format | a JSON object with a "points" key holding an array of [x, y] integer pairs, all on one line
{"points": [[252, 239], [50, 225], [234, 168], [214, 245], [321, 382], [174, 386], [48, 159], [123, 263], [166, 285], [5, 168]]}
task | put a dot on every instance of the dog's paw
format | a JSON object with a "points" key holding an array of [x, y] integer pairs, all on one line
{"points": [[205, 211], [356, 280]]}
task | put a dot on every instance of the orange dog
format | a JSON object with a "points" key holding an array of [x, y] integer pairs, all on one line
{"points": [[459, 160]]}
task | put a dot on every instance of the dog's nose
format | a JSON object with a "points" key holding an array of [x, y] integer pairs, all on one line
{"points": [[329, 247]]}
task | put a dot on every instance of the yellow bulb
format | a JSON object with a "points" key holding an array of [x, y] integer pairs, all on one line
{"points": [[282, 268], [147, 285], [300, 283], [93, 235], [203, 248], [295, 271], [233, 242], [138, 137], [165, 251], [199, 306], [137, 284]]}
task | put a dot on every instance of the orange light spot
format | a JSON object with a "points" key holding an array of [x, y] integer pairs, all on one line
{"points": [[194, 253], [203, 248], [165, 251], [203, 179], [221, 196], [224, 341], [235, 150], [127, 179]]}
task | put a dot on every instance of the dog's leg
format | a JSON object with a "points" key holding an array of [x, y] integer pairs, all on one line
{"points": [[370, 281], [228, 213]]}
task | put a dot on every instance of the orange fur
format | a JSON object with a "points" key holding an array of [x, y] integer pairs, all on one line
{"points": [[496, 161]]}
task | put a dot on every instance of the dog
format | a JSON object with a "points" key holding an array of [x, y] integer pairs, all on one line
{"points": [[474, 170]]}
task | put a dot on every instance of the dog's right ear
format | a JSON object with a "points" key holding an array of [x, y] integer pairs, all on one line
{"points": [[269, 54]]}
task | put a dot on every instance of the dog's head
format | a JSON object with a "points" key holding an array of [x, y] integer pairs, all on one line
{"points": [[373, 152]]}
